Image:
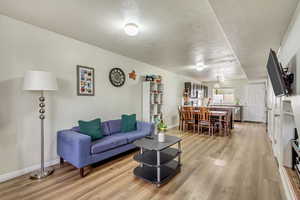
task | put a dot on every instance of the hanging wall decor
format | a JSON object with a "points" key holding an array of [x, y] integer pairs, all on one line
{"points": [[117, 77], [85, 81], [132, 75]]}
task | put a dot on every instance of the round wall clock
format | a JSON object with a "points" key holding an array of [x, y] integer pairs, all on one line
{"points": [[117, 77]]}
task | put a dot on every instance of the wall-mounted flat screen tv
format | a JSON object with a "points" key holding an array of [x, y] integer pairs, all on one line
{"points": [[275, 72]]}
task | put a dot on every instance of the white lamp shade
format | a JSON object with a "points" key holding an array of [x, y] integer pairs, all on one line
{"points": [[39, 81]]}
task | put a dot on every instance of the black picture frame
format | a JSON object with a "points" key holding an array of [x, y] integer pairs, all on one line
{"points": [[85, 81]]}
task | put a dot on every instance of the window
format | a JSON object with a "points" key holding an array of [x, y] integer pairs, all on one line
{"points": [[223, 96]]}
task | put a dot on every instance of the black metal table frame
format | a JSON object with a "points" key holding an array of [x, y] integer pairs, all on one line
{"points": [[158, 161]]}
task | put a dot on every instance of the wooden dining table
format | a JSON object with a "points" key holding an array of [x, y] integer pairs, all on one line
{"points": [[216, 114], [228, 109]]}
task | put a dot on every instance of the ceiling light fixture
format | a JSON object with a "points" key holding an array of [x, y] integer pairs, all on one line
{"points": [[200, 67], [131, 29]]}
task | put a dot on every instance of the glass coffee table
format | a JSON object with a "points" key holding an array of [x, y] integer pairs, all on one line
{"points": [[157, 160]]}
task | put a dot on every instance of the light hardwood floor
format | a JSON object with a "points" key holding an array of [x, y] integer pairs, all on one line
{"points": [[238, 168]]}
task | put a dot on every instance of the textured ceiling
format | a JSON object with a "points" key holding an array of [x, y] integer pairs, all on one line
{"points": [[253, 27], [174, 34]]}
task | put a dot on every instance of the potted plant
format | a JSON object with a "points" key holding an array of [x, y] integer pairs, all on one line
{"points": [[162, 128]]}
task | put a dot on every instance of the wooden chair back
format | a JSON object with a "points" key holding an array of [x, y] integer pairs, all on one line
{"points": [[204, 114], [187, 108], [187, 115]]}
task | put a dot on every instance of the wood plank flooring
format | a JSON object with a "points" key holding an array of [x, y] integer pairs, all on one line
{"points": [[237, 168], [294, 181]]}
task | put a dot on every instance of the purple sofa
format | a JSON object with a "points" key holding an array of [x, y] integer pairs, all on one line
{"points": [[80, 151]]}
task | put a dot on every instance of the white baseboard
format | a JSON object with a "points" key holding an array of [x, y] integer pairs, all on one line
{"points": [[11, 175], [287, 185]]}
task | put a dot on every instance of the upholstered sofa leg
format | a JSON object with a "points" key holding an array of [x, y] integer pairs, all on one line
{"points": [[82, 172], [61, 161]]}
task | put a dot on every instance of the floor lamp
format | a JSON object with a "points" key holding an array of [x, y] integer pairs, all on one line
{"points": [[40, 81]]}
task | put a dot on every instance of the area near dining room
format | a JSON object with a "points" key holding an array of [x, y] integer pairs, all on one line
{"points": [[222, 104]]}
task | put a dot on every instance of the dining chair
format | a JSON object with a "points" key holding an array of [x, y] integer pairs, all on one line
{"points": [[205, 121], [197, 117], [187, 119], [226, 124], [180, 117], [197, 108], [188, 108]]}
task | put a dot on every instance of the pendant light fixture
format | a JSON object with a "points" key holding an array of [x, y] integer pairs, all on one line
{"points": [[131, 29]]}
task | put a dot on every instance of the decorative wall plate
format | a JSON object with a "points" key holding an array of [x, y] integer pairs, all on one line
{"points": [[132, 75], [117, 77]]}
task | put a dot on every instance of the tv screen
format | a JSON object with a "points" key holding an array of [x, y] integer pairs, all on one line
{"points": [[276, 75]]}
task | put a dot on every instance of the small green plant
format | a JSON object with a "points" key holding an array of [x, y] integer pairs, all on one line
{"points": [[161, 126]]}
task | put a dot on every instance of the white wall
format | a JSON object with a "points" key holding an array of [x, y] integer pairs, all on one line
{"points": [[290, 55], [25, 47], [290, 43], [284, 112]]}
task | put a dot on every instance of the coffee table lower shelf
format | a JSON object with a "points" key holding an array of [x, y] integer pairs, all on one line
{"points": [[150, 173]]}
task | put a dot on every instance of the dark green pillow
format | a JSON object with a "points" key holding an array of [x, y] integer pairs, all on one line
{"points": [[91, 128], [128, 123]]}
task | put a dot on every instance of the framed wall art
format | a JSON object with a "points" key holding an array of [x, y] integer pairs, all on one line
{"points": [[85, 81]]}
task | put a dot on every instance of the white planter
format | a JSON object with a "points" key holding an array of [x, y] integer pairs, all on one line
{"points": [[161, 137]]}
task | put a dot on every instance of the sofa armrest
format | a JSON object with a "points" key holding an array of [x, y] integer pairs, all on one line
{"points": [[74, 147], [146, 126]]}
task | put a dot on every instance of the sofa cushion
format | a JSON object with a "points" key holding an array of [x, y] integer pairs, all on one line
{"points": [[104, 126], [114, 126], [121, 136], [107, 143], [133, 135], [128, 123], [91, 128]]}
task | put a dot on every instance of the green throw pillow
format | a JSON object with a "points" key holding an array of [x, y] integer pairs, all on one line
{"points": [[91, 128], [128, 123]]}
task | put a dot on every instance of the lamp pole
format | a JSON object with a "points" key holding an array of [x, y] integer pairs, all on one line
{"points": [[43, 172], [42, 117]]}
